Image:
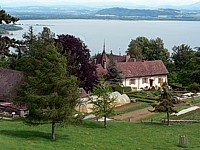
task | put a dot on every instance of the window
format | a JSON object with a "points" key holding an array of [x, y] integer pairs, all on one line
{"points": [[131, 81], [144, 80]]}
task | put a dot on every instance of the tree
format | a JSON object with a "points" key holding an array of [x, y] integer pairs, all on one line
{"points": [[165, 104], [84, 70], [29, 37], [181, 55], [103, 104], [135, 50], [50, 93], [143, 48], [190, 72], [7, 18], [113, 75], [46, 36]]}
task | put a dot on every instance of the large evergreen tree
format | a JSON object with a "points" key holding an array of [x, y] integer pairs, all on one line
{"points": [[50, 93]]}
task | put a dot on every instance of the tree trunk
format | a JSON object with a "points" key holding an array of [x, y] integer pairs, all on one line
{"points": [[105, 122], [53, 131], [168, 119]]}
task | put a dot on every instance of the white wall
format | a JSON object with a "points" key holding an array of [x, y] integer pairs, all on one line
{"points": [[138, 83]]}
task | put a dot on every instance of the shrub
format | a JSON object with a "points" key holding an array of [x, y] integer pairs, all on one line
{"points": [[127, 89], [164, 84], [194, 87], [145, 100], [116, 87]]}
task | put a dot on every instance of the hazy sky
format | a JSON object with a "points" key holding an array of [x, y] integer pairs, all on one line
{"points": [[137, 2]]}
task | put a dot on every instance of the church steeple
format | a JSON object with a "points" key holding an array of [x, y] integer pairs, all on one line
{"points": [[104, 58], [104, 46]]}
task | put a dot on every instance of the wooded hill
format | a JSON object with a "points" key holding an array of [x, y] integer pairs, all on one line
{"points": [[147, 14]]}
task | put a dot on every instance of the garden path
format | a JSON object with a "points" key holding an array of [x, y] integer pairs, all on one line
{"points": [[140, 114]]}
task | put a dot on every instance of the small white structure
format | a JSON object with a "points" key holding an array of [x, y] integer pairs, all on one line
{"points": [[86, 107], [186, 110]]}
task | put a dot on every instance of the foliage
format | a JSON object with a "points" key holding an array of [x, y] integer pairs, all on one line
{"points": [[84, 70], [185, 68], [116, 87], [113, 75], [7, 18], [145, 100], [5, 44], [46, 36], [181, 55], [103, 104], [127, 89], [143, 48], [194, 87], [29, 37], [165, 104], [50, 93]]}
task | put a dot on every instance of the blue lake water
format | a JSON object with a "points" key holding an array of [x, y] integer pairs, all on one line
{"points": [[117, 33]]}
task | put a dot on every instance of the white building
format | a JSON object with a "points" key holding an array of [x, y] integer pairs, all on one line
{"points": [[138, 74]]}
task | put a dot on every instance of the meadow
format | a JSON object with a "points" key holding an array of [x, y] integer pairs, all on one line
{"points": [[90, 135]]}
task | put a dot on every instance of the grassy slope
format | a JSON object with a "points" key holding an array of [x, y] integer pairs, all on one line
{"points": [[91, 135]]}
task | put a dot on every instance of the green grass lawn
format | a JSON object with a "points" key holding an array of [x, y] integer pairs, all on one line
{"points": [[91, 135]]}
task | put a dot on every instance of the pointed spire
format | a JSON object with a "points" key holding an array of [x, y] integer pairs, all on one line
{"points": [[104, 46]]}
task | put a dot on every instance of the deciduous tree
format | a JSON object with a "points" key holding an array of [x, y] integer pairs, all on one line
{"points": [[143, 48], [80, 55], [181, 55]]}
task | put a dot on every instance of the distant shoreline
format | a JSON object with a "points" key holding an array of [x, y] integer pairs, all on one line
{"points": [[147, 20], [7, 34]]}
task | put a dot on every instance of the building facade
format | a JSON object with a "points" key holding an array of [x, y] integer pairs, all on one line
{"points": [[138, 74]]}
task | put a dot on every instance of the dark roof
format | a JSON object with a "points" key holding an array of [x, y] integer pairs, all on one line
{"points": [[106, 57], [10, 80], [141, 69]]}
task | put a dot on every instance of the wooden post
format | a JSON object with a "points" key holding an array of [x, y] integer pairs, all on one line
{"points": [[183, 142]]}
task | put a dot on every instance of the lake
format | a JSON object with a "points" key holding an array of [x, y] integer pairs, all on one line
{"points": [[118, 34]]}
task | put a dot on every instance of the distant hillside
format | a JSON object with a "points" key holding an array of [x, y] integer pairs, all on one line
{"points": [[137, 12], [148, 14], [116, 13]]}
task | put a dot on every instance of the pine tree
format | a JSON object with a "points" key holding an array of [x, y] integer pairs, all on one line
{"points": [[50, 93], [103, 104], [165, 104]]}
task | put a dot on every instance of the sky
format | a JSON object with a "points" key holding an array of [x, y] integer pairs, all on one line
{"points": [[135, 2]]}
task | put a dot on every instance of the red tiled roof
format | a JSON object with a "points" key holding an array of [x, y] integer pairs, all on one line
{"points": [[118, 58], [10, 80], [140, 69], [100, 70]]}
